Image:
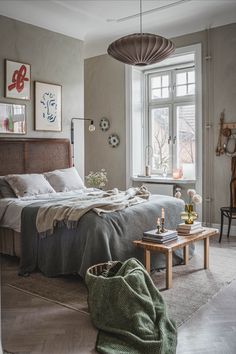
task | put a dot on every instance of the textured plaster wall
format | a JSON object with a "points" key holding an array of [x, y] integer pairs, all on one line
{"points": [[105, 95], [54, 58], [223, 97]]}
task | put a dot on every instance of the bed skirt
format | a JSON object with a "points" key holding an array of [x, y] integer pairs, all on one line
{"points": [[10, 242]]}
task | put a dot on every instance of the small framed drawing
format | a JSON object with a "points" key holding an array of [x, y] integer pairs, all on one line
{"points": [[12, 118], [48, 107], [17, 83]]}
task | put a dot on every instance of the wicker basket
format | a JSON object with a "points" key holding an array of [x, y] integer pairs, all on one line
{"points": [[101, 268]]}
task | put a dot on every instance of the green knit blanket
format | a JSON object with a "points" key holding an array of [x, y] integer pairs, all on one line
{"points": [[129, 312]]}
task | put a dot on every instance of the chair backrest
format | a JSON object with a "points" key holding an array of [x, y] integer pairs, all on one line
{"points": [[233, 193]]}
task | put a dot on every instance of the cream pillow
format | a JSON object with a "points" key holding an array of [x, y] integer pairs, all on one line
{"points": [[65, 180], [29, 184]]}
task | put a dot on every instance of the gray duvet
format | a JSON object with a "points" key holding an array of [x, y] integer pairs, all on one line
{"points": [[96, 239]]}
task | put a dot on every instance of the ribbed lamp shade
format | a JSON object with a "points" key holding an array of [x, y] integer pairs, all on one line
{"points": [[141, 49]]}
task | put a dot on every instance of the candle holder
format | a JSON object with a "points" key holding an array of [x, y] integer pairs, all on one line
{"points": [[163, 225], [158, 229]]}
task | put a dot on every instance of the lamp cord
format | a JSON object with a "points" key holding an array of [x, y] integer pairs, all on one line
{"points": [[141, 25]]}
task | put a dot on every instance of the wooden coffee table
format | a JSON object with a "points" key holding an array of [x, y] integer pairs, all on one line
{"points": [[168, 248]]}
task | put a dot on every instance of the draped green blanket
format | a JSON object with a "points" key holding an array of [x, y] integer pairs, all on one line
{"points": [[129, 312]]}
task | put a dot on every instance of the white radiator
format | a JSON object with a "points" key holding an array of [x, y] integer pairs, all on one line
{"points": [[163, 189]]}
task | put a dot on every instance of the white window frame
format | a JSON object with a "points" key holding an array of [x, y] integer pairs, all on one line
{"points": [[175, 105], [197, 50], [171, 103], [161, 105], [187, 97], [161, 100]]}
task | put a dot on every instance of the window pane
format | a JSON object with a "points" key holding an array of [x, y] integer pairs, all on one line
{"points": [[156, 93], [181, 78], [159, 138], [156, 82], [191, 76], [186, 141], [191, 89], [165, 81], [165, 92], [181, 90]]}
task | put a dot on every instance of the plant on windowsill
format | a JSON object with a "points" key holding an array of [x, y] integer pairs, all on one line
{"points": [[97, 179], [189, 215]]}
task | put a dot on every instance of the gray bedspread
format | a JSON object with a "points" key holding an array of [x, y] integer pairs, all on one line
{"points": [[96, 239]]}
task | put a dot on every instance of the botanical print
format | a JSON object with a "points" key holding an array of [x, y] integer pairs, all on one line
{"points": [[47, 107], [17, 80], [12, 119]]}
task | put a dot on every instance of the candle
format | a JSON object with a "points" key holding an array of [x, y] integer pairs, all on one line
{"points": [[176, 174], [158, 221], [148, 170], [162, 213]]}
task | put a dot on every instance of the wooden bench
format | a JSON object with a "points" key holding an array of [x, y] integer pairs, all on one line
{"points": [[168, 248]]}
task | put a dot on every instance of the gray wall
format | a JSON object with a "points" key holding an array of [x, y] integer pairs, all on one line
{"points": [[105, 95], [54, 58], [223, 97]]}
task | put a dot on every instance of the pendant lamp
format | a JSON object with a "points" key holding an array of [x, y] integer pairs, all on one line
{"points": [[141, 49]]}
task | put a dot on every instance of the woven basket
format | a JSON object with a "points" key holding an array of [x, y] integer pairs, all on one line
{"points": [[101, 268]]}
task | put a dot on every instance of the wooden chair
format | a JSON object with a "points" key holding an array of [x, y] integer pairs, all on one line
{"points": [[229, 212]]}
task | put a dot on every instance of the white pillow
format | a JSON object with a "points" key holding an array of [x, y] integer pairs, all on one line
{"points": [[29, 184], [65, 180]]}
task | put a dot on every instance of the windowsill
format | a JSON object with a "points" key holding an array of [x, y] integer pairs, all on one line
{"points": [[160, 179]]}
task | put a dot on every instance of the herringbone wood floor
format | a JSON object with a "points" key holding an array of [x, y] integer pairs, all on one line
{"points": [[33, 325], [212, 330]]}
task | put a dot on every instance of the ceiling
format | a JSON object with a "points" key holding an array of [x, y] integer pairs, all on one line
{"points": [[95, 21]]}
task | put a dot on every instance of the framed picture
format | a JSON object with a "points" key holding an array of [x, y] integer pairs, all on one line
{"points": [[17, 80], [48, 107], [12, 118]]}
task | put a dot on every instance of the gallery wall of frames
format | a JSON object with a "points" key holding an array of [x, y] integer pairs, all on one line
{"points": [[47, 101]]}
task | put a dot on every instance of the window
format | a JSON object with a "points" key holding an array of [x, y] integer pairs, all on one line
{"points": [[164, 111], [160, 86], [185, 83], [170, 120]]}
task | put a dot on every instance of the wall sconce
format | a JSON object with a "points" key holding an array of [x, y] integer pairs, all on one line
{"points": [[91, 127]]}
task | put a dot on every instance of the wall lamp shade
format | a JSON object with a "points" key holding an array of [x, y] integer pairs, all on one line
{"points": [[91, 127], [141, 49]]}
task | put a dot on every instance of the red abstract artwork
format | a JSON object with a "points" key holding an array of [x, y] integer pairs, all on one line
{"points": [[18, 79], [17, 83]]}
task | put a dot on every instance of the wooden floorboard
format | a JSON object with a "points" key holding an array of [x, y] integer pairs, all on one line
{"points": [[212, 329], [33, 325]]}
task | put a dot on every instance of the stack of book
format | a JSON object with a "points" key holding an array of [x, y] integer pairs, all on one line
{"points": [[190, 229], [164, 237]]}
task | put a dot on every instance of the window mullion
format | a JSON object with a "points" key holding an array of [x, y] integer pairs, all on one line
{"points": [[175, 157], [173, 133]]}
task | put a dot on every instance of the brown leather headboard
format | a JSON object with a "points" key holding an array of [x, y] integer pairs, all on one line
{"points": [[33, 155]]}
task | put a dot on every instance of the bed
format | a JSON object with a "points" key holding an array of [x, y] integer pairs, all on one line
{"points": [[96, 238], [28, 155]]}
